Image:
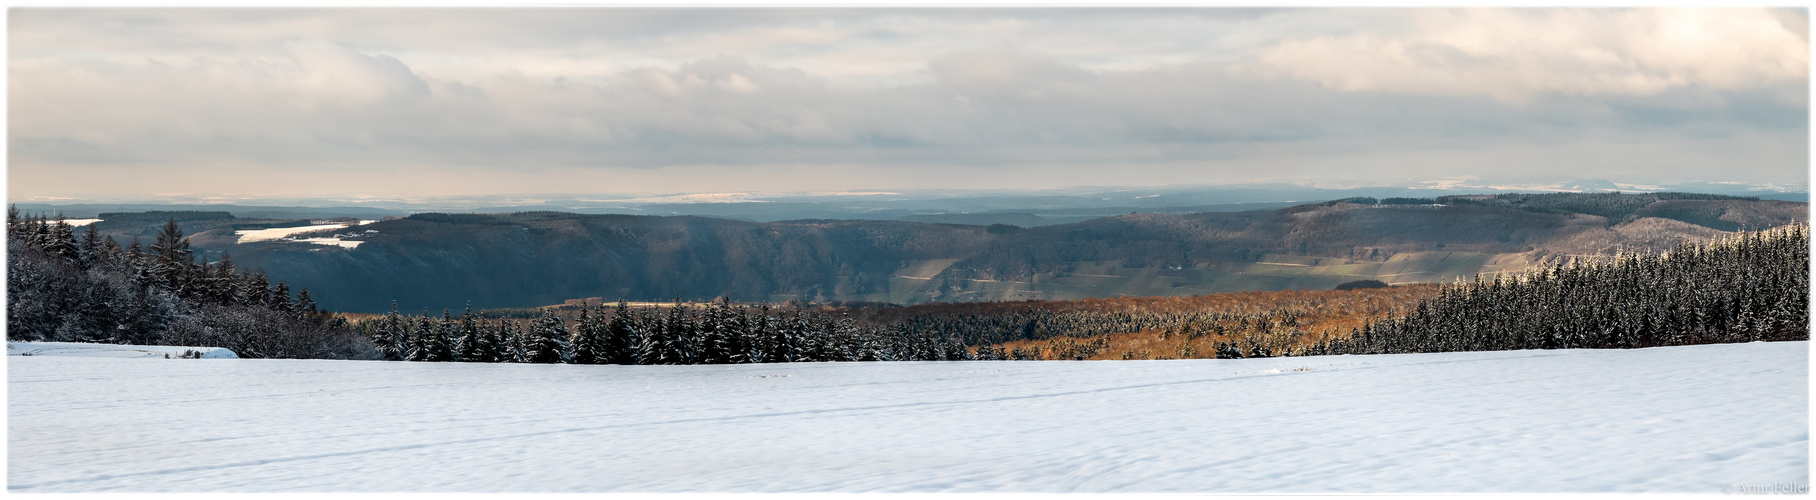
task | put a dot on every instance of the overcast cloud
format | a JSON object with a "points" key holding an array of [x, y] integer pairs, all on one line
{"points": [[487, 101]]}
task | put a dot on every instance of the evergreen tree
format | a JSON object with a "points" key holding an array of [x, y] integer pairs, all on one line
{"points": [[62, 241], [170, 258], [110, 255], [716, 339], [492, 342], [225, 283], [587, 345], [89, 247], [670, 341], [257, 288], [801, 337], [280, 298], [438, 341], [515, 343], [621, 338], [35, 231], [955, 350], [470, 344], [741, 339], [686, 335], [836, 339], [547, 340], [305, 304], [172, 248], [135, 253], [869, 346], [418, 338], [773, 337], [389, 336]]}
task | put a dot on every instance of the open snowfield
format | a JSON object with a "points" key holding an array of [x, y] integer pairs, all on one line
{"points": [[254, 235], [1675, 419]]}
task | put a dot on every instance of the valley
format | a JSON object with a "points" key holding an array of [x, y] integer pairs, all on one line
{"points": [[527, 259]]}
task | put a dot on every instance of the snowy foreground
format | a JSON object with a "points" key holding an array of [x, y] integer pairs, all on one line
{"points": [[1689, 419]]}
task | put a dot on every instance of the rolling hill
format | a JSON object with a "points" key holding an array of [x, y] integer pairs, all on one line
{"points": [[439, 261]]}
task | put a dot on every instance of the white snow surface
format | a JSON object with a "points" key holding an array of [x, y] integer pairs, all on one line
{"points": [[1674, 419], [331, 241], [255, 235], [88, 350]]}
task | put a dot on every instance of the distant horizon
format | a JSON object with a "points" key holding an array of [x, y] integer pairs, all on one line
{"points": [[1038, 207], [1562, 186]]}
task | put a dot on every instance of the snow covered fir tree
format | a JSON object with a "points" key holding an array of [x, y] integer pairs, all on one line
{"points": [[1750, 286], [67, 288]]}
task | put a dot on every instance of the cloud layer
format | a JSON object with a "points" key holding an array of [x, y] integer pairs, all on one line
{"points": [[661, 100], [1517, 56]]}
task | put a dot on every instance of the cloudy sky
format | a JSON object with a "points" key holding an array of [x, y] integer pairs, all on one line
{"points": [[122, 103]]}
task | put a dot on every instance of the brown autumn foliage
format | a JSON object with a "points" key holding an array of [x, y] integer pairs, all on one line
{"points": [[1282, 321]]}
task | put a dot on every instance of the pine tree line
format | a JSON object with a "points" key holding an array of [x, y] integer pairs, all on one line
{"points": [[723, 333], [1751, 286], [89, 288]]}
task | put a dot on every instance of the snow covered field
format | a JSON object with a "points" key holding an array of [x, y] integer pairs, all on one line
{"points": [[1684, 419], [255, 235], [332, 241]]}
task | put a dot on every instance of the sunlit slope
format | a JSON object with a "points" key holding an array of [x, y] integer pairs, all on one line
{"points": [[1274, 272]]}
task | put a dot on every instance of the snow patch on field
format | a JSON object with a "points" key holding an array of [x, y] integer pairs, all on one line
{"points": [[257, 235], [278, 233], [1673, 419], [332, 241], [87, 350], [80, 222]]}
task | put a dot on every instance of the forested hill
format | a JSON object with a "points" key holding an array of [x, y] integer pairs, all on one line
{"points": [[440, 261]]}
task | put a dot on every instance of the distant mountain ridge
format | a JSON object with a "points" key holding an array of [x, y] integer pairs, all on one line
{"points": [[1025, 208], [533, 258]]}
